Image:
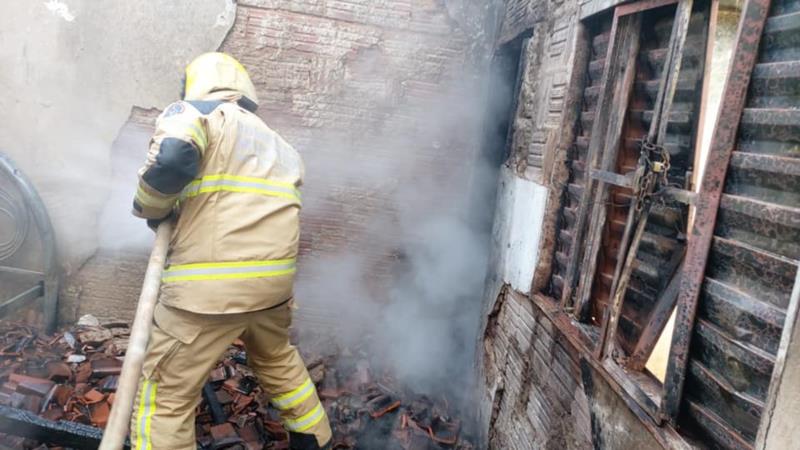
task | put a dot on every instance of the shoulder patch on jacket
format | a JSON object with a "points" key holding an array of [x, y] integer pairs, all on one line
{"points": [[173, 109], [205, 106]]}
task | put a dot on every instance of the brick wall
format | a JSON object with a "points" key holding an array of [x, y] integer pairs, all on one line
{"points": [[538, 398], [376, 97], [380, 98]]}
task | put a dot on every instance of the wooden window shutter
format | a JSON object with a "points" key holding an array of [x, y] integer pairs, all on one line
{"points": [[743, 254]]}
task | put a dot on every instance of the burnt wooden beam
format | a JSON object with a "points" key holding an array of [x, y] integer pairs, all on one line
{"points": [[647, 401], [658, 320], [671, 72], [605, 140], [754, 359], [767, 163], [717, 393], [604, 103], [569, 337], [643, 5], [22, 423], [217, 412], [612, 314], [743, 58], [657, 135], [680, 195], [608, 337], [559, 172], [726, 301], [783, 215], [625, 181]]}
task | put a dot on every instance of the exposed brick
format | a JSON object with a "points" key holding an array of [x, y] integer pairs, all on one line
{"points": [[543, 404]]}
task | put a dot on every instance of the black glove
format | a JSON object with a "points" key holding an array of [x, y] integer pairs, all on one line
{"points": [[154, 223]]}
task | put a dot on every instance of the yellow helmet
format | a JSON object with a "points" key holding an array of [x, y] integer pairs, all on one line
{"points": [[211, 72]]}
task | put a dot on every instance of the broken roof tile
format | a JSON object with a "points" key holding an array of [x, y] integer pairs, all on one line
{"points": [[223, 397], [93, 396], [102, 367], [83, 372], [99, 413], [224, 435], [218, 374], [31, 385], [62, 394], [59, 371], [355, 397]]}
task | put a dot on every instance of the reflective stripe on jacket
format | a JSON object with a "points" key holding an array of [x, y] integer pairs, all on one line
{"points": [[234, 183]]}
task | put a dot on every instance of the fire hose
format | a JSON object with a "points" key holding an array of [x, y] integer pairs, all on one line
{"points": [[119, 420]]}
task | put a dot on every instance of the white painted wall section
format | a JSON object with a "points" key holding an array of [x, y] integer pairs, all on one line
{"points": [[518, 228]]}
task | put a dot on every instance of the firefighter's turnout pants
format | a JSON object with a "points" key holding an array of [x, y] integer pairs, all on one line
{"points": [[184, 347]]}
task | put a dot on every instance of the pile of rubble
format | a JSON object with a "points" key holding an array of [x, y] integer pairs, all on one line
{"points": [[73, 376]]}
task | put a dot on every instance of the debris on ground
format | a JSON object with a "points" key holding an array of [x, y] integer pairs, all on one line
{"points": [[73, 375]]}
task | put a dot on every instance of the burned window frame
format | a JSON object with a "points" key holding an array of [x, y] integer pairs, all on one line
{"points": [[614, 101], [661, 403]]}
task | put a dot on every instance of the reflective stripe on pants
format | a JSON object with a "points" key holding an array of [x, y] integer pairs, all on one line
{"points": [[294, 397], [144, 415], [306, 421]]}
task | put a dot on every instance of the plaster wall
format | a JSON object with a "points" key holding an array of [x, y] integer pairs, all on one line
{"points": [[72, 70]]}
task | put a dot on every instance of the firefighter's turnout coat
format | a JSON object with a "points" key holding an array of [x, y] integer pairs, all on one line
{"points": [[235, 185]]}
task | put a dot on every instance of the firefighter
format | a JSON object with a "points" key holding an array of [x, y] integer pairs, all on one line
{"points": [[231, 186]]}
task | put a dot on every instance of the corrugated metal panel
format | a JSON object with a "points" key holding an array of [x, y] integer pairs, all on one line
{"points": [[755, 250]]}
